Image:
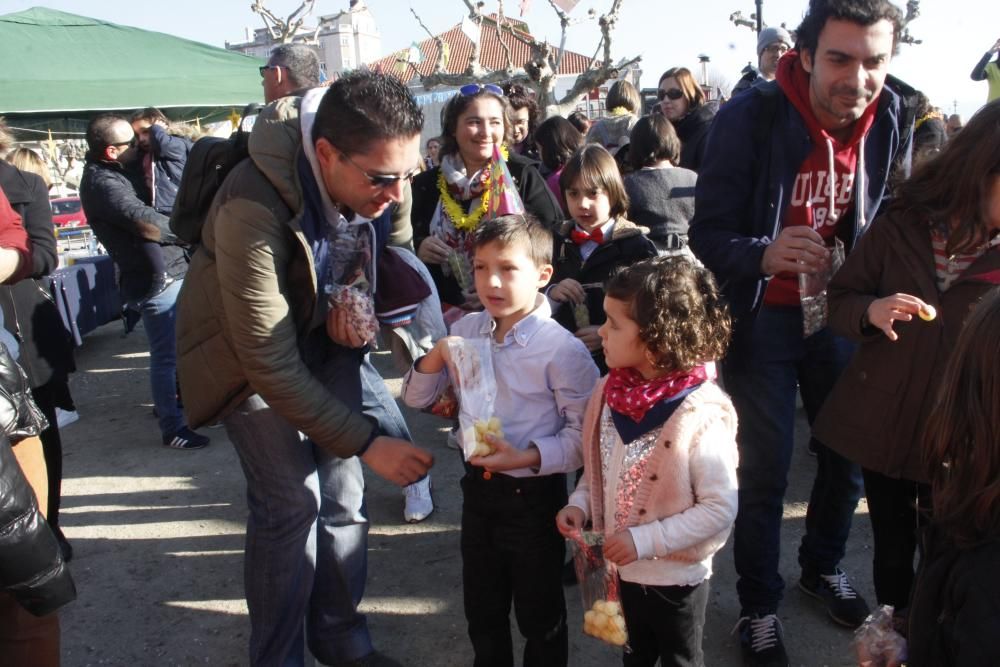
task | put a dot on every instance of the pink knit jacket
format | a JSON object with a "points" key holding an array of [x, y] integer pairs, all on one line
{"points": [[666, 487]]}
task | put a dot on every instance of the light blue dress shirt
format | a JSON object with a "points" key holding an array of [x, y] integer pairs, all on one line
{"points": [[544, 377]]}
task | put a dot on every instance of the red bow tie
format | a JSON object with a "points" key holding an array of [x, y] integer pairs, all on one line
{"points": [[580, 237]]}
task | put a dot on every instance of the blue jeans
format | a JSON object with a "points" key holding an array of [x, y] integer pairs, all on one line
{"points": [[159, 318], [763, 382], [379, 405], [307, 532]]}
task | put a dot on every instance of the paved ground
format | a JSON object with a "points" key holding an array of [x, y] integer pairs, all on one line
{"points": [[158, 536]]}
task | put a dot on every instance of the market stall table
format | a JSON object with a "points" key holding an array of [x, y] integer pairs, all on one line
{"points": [[86, 294]]}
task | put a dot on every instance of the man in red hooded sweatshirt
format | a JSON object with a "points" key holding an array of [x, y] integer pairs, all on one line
{"points": [[791, 166]]}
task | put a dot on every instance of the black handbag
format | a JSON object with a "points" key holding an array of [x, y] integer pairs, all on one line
{"points": [[20, 418]]}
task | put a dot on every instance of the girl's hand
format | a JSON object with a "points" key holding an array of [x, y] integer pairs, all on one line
{"points": [[620, 549], [568, 290], [569, 521], [340, 330], [589, 337], [433, 250], [882, 313], [507, 457]]}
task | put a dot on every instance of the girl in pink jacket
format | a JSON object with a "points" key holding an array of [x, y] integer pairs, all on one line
{"points": [[659, 440]]}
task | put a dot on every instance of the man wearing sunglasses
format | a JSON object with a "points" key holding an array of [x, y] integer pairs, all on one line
{"points": [[148, 255], [772, 43], [262, 350], [291, 69], [790, 167]]}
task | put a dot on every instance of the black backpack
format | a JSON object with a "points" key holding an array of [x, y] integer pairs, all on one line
{"points": [[208, 163]]}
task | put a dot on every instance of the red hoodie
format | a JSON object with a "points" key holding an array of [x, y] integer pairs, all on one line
{"points": [[812, 201], [13, 236]]}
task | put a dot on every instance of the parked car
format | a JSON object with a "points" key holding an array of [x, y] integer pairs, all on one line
{"points": [[68, 212]]}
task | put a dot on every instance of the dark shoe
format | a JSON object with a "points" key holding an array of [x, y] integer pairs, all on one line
{"points": [[761, 641], [185, 438], [843, 603]]}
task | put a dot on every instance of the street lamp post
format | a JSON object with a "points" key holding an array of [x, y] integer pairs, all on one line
{"points": [[760, 15]]}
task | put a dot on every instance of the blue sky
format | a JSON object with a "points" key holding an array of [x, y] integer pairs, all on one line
{"points": [[665, 32]]}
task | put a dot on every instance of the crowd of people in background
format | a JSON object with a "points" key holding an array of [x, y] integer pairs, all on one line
{"points": [[666, 289]]}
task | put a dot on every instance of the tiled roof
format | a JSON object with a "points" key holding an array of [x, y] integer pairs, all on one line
{"points": [[492, 55]]}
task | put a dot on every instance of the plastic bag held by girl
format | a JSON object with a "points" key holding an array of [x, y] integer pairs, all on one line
{"points": [[472, 376], [603, 617]]}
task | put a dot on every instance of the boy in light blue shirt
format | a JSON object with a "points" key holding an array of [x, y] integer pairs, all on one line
{"points": [[511, 549]]}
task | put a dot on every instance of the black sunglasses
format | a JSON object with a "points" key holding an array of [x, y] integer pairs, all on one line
{"points": [[474, 88], [382, 180], [673, 94], [264, 68]]}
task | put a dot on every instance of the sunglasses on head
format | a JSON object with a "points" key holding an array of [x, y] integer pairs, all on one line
{"points": [[673, 94], [475, 88]]}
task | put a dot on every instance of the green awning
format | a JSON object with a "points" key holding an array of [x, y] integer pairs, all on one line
{"points": [[62, 69]]}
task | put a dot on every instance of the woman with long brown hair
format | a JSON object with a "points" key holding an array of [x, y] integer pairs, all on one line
{"points": [[955, 612], [904, 293]]}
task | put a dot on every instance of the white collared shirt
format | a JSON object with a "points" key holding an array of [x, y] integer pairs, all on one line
{"points": [[544, 377]]}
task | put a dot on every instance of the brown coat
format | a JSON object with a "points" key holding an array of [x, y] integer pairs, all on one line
{"points": [[875, 414], [250, 297]]}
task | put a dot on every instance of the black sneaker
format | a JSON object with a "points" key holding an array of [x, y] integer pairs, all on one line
{"points": [[761, 641], [185, 438], [843, 603]]}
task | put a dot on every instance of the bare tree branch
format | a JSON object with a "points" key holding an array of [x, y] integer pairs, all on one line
{"points": [[912, 12], [506, 49], [284, 30], [440, 65], [539, 73]]}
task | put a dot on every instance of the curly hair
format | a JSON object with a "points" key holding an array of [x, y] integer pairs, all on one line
{"points": [[682, 317]]}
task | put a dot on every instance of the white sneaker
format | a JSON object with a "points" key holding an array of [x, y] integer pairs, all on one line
{"points": [[419, 504]]}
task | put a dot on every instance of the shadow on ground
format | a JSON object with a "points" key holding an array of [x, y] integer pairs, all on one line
{"points": [[158, 537]]}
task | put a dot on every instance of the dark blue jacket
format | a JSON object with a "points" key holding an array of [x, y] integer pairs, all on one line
{"points": [[753, 153], [170, 154]]}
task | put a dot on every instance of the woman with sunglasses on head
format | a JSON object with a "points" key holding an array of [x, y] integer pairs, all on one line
{"points": [[683, 102], [448, 200]]}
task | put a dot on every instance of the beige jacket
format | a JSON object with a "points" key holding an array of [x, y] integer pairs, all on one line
{"points": [[250, 296]]}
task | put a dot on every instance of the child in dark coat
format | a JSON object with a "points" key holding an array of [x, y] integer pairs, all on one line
{"points": [[591, 246]]}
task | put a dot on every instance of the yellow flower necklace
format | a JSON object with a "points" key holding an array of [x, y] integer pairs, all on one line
{"points": [[462, 221]]}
